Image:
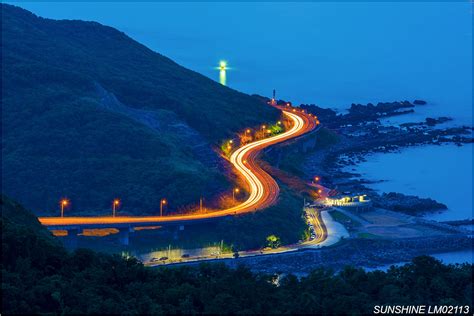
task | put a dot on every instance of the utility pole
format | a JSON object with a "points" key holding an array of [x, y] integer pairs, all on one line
{"points": [[200, 204]]}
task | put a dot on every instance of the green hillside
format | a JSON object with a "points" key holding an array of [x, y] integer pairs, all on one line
{"points": [[91, 114]]}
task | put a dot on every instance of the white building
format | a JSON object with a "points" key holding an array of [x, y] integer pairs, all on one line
{"points": [[358, 201]]}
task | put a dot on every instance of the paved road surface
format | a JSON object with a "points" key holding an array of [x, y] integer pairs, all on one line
{"points": [[263, 188]]}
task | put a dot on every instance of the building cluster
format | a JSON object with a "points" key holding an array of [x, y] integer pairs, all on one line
{"points": [[358, 202]]}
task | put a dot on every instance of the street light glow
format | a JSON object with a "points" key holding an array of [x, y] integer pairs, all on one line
{"points": [[63, 203]]}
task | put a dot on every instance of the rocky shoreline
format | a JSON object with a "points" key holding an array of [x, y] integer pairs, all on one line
{"points": [[409, 204], [361, 133]]}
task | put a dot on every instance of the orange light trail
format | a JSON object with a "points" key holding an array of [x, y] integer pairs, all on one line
{"points": [[263, 188]]}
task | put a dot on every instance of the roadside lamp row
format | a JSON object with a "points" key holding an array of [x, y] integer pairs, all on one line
{"points": [[63, 203]]}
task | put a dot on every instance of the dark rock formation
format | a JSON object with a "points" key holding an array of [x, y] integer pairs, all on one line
{"points": [[409, 204], [419, 102]]}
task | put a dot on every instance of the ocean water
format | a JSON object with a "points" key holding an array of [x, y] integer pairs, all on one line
{"points": [[330, 54], [462, 256], [443, 173]]}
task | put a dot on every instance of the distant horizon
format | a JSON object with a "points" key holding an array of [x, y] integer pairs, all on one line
{"points": [[428, 58]]}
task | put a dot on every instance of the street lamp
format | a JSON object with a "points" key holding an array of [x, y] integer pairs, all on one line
{"points": [[317, 178], [162, 202], [115, 205], [64, 203], [236, 190]]}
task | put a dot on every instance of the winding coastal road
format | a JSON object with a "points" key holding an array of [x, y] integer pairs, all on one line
{"points": [[263, 188]]}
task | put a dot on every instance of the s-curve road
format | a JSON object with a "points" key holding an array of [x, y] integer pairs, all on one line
{"points": [[262, 187]]}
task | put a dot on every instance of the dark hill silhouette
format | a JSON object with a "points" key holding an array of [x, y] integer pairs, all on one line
{"points": [[89, 113], [40, 277]]}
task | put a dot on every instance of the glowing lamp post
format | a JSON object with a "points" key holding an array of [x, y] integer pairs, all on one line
{"points": [[64, 203], [234, 191], [162, 203], [115, 205]]}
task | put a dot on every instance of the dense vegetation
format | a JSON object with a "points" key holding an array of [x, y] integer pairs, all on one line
{"points": [[289, 156], [90, 114], [249, 231], [39, 276]]}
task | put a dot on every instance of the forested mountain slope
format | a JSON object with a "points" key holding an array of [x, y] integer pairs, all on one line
{"points": [[40, 276], [89, 113]]}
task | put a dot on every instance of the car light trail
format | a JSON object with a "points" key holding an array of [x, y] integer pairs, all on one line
{"points": [[263, 188]]}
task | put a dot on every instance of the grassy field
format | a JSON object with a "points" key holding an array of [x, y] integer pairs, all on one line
{"points": [[367, 235], [344, 219]]}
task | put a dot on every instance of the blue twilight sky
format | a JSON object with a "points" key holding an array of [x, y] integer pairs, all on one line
{"points": [[331, 54]]}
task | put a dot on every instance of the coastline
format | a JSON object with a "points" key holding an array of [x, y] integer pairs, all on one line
{"points": [[391, 172]]}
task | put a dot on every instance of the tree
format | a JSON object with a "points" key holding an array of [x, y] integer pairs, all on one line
{"points": [[273, 241]]}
